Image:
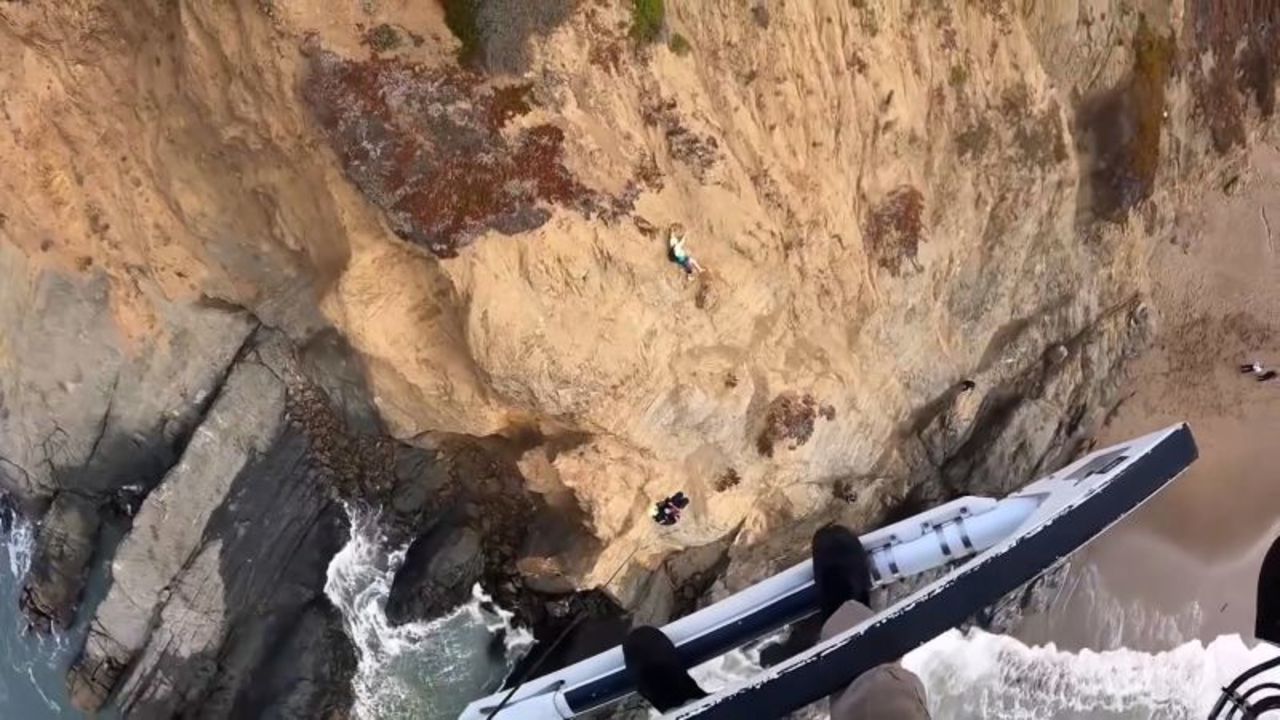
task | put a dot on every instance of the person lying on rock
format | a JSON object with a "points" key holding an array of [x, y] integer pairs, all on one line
{"points": [[842, 576], [667, 511], [664, 514], [678, 254]]}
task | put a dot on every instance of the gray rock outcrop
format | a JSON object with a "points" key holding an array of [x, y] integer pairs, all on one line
{"points": [[224, 567], [89, 422]]}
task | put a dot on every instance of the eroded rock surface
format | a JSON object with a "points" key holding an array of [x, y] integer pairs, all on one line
{"points": [[226, 559], [258, 256]]}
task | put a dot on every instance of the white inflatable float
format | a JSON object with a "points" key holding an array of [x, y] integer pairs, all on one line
{"points": [[1005, 544]]}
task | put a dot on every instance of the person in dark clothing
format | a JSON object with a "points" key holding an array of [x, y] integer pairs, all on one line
{"points": [[665, 514], [842, 578], [667, 511]]}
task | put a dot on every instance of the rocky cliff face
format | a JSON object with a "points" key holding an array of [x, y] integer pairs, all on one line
{"points": [[258, 258]]}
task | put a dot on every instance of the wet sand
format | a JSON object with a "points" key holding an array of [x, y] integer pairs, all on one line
{"points": [[1184, 566]]}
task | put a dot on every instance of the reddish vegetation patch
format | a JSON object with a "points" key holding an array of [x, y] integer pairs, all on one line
{"points": [[895, 229], [790, 417], [728, 480], [427, 147], [509, 102], [1243, 37]]}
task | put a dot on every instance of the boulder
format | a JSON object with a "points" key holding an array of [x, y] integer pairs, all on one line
{"points": [[439, 570]]}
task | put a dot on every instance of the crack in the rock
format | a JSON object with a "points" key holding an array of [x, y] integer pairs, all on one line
{"points": [[104, 422], [49, 450], [25, 475], [1266, 224]]}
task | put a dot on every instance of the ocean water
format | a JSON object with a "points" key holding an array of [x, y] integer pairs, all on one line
{"points": [[432, 669], [32, 667], [423, 669]]}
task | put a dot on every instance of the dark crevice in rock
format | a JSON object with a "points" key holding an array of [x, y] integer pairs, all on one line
{"points": [[106, 418], [466, 517], [693, 571], [913, 502], [7, 463], [440, 567], [302, 672]]}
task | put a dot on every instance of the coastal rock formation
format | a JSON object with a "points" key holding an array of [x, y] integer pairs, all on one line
{"points": [[261, 257], [248, 529]]}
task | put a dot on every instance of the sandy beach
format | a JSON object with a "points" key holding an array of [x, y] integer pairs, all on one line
{"points": [[1184, 566]]}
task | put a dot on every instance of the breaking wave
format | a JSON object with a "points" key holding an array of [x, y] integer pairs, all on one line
{"points": [[978, 675], [433, 669], [426, 669]]}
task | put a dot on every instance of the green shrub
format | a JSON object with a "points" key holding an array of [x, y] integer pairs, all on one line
{"points": [[647, 19], [679, 44]]}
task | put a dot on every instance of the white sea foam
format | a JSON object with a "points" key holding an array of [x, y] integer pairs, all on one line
{"points": [[980, 675], [419, 669], [432, 669], [19, 546]]}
